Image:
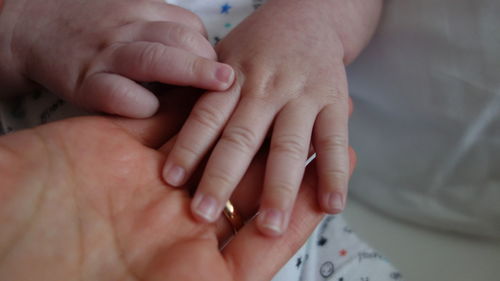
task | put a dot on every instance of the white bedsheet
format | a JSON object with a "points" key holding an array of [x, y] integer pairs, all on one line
{"points": [[423, 254]]}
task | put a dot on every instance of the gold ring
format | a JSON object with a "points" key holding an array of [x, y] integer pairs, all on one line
{"points": [[233, 217]]}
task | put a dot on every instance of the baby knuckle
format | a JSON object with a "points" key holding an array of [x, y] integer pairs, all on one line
{"points": [[186, 37], [283, 190], [335, 96], [333, 142], [175, 32], [338, 177], [109, 39], [293, 145], [272, 81], [209, 117], [186, 151], [195, 67], [241, 137], [194, 21], [222, 181], [272, 85], [149, 55]]}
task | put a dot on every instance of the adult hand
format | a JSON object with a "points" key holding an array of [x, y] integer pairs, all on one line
{"points": [[84, 199]]}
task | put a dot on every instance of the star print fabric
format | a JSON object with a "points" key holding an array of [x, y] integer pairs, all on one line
{"points": [[334, 252], [219, 16]]}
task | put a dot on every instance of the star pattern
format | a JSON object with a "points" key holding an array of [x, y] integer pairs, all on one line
{"points": [[225, 8]]}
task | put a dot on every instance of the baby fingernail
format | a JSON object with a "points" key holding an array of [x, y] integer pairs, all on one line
{"points": [[174, 175], [272, 221], [335, 202], [206, 207], [224, 73]]}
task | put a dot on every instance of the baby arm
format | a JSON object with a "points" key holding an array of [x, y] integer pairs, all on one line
{"points": [[290, 59], [94, 52]]}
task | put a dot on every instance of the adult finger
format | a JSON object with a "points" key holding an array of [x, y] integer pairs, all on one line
{"points": [[252, 256], [246, 196]]}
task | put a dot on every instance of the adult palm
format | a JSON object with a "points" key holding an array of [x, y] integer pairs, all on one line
{"points": [[83, 199]]}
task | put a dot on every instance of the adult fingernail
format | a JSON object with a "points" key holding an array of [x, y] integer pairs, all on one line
{"points": [[205, 207], [174, 175], [335, 202], [224, 73], [272, 221]]}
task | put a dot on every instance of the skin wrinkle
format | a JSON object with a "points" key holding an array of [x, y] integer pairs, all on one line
{"points": [[25, 227], [197, 232], [72, 169], [83, 204], [209, 117], [120, 254], [112, 213], [78, 220], [107, 263], [121, 257], [9, 150]]}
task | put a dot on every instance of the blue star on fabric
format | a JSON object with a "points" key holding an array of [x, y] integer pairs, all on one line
{"points": [[225, 8]]}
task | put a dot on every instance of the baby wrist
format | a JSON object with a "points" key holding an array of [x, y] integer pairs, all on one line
{"points": [[12, 80]]}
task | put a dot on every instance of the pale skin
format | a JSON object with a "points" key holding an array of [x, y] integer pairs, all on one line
{"points": [[93, 52], [93, 206], [289, 57], [151, 41]]}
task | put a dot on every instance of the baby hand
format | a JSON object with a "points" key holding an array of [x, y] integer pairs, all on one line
{"points": [[290, 78], [94, 52]]}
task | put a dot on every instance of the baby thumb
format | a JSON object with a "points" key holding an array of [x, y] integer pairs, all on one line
{"points": [[115, 94]]}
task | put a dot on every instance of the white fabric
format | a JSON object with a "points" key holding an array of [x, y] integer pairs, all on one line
{"points": [[335, 253], [426, 124], [219, 16]]}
